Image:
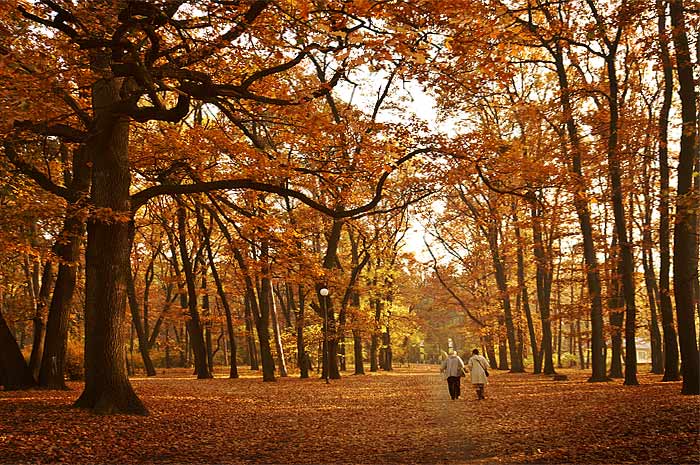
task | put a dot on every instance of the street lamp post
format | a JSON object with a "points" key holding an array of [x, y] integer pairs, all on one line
{"points": [[324, 304]]}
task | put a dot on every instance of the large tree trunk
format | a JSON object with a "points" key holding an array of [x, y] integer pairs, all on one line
{"points": [[14, 371], [685, 267], [671, 355], [107, 387], [67, 249]]}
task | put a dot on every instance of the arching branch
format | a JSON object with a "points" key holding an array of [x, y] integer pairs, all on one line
{"points": [[40, 178], [449, 289], [140, 198]]}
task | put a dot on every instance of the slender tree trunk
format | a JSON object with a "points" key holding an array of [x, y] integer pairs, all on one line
{"points": [[168, 362], [249, 336], [358, 352], [278, 336], [67, 249], [671, 356], [657, 360], [386, 342], [502, 345], [206, 313], [559, 340], [626, 246], [261, 312], [685, 266], [330, 262], [374, 342], [136, 320], [537, 361], [355, 302], [616, 320], [490, 351], [303, 357], [584, 216], [233, 372], [543, 267], [582, 360], [39, 325], [507, 319], [194, 324], [616, 305]]}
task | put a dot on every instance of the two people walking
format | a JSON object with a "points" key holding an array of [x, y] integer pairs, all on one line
{"points": [[454, 369]]}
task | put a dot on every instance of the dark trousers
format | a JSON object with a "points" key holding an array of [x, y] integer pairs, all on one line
{"points": [[453, 383]]}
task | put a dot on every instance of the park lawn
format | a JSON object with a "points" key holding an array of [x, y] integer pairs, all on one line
{"points": [[401, 417]]}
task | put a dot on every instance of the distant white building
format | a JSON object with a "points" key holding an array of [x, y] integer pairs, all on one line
{"points": [[643, 350]]}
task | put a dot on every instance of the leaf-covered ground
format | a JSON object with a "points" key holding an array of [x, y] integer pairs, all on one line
{"points": [[401, 417]]}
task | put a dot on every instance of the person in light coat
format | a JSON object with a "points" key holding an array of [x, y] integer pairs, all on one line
{"points": [[453, 368], [478, 366]]}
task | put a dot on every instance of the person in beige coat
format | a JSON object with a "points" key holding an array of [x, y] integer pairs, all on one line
{"points": [[453, 368], [478, 370]]}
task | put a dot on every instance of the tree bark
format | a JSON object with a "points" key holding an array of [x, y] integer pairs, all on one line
{"points": [[671, 356], [626, 246], [303, 358], [685, 267], [42, 299], [278, 336], [584, 216], [107, 388], [194, 325], [616, 304], [233, 371], [657, 356], [136, 320], [206, 313], [249, 334], [374, 342], [543, 275], [537, 361], [14, 371], [67, 249], [262, 322]]}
